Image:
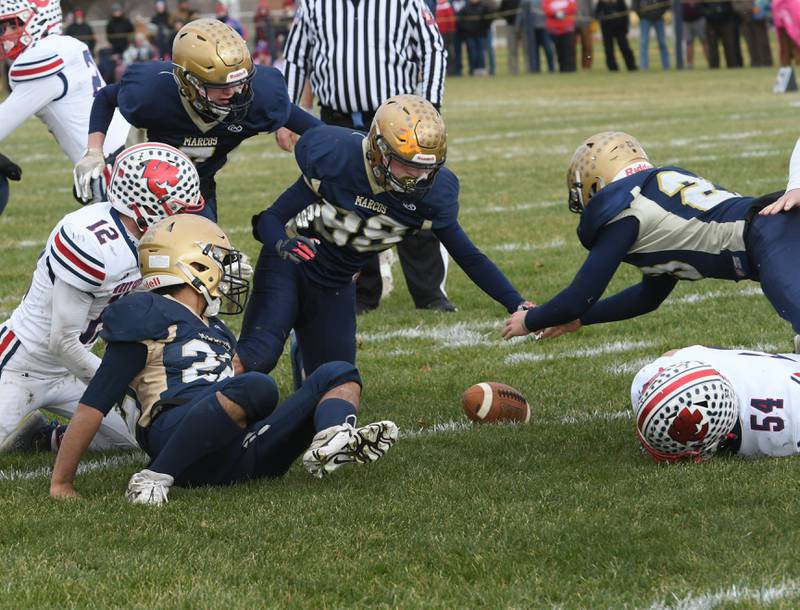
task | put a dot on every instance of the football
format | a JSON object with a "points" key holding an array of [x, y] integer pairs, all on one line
{"points": [[491, 402]]}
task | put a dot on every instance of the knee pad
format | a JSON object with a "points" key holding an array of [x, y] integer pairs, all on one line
{"points": [[331, 374], [256, 393]]}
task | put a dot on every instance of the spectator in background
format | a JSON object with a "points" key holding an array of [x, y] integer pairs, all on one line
{"points": [[786, 16], [446, 22], [614, 19], [223, 15], [508, 13], [694, 28], [161, 27], [721, 28], [559, 20], [119, 30], [651, 15], [265, 33], [139, 51], [583, 25], [474, 23], [81, 30], [535, 35], [753, 25], [184, 13]]}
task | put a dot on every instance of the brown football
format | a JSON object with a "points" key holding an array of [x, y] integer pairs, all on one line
{"points": [[491, 401]]}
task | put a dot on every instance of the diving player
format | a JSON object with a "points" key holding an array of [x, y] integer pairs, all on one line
{"points": [[200, 424], [89, 261], [671, 224], [53, 77], [698, 401], [357, 195], [209, 100]]}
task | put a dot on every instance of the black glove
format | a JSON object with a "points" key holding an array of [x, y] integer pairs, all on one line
{"points": [[297, 249], [9, 169]]}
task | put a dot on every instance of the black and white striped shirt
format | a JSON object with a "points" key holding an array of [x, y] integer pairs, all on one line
{"points": [[359, 53]]}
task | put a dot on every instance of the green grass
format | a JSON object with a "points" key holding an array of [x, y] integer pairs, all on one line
{"points": [[562, 512]]}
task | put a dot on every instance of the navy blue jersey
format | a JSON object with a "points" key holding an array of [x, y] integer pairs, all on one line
{"points": [[149, 99], [689, 227], [353, 216], [185, 355]]}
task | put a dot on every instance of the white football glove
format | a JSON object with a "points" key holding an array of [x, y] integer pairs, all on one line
{"points": [[87, 171]]}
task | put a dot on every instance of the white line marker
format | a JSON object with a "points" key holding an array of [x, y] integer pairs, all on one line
{"points": [[584, 352], [764, 595], [14, 474]]}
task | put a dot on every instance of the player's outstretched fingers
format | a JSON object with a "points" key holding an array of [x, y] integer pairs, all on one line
{"points": [[788, 201]]}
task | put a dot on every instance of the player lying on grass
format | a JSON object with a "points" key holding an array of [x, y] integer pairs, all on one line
{"points": [[791, 198], [199, 424], [89, 261], [698, 401], [55, 78], [357, 195], [672, 225]]}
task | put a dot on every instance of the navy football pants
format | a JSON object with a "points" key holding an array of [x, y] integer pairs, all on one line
{"points": [[283, 298], [773, 244], [265, 448]]}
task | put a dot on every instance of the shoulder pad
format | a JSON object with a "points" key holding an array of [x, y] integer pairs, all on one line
{"points": [[76, 258], [325, 152], [147, 90], [35, 62], [138, 316], [271, 104]]}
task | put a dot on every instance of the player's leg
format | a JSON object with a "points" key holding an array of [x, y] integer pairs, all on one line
{"points": [[774, 250], [20, 396], [424, 262], [270, 312], [326, 326]]}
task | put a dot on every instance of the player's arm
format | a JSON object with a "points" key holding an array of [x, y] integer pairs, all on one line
{"points": [[27, 98], [791, 198], [297, 124], [431, 50], [478, 267], [269, 227], [70, 310], [93, 162], [607, 253], [297, 51], [121, 363]]}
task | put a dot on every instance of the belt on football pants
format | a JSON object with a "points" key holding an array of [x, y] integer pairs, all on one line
{"points": [[356, 120]]}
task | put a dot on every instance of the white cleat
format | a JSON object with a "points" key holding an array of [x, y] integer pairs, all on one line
{"points": [[148, 487], [343, 444], [22, 439]]}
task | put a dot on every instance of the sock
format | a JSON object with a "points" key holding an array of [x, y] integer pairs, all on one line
{"points": [[333, 412], [205, 429]]}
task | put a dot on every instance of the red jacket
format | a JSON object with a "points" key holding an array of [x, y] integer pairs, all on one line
{"points": [[567, 9], [445, 17]]}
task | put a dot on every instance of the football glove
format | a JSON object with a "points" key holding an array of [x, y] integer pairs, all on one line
{"points": [[297, 249], [88, 170], [9, 169]]}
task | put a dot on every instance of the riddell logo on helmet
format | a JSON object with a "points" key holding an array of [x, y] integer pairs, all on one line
{"points": [[635, 169], [152, 282], [236, 75], [422, 158], [686, 427], [160, 174]]}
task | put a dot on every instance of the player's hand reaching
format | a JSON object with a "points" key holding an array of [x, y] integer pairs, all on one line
{"points": [[556, 331], [89, 168], [286, 139], [515, 325], [63, 491], [298, 249], [788, 201], [9, 169]]}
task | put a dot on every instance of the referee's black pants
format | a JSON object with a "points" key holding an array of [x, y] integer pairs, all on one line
{"points": [[421, 256]]}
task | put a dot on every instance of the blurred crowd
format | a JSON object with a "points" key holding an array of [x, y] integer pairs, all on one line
{"points": [[135, 38], [560, 33]]}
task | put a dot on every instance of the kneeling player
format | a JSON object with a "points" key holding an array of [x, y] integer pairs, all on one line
{"points": [[699, 401], [199, 423], [89, 261]]}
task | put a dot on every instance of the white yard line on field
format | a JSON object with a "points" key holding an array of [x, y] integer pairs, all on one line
{"points": [[614, 347], [27, 243], [14, 474], [737, 594], [515, 247]]}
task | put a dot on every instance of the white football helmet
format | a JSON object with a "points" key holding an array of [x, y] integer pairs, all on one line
{"points": [[152, 181], [685, 411], [35, 20]]}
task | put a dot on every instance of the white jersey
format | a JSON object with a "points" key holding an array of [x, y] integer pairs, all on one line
{"points": [[56, 79], [89, 249], [768, 389]]}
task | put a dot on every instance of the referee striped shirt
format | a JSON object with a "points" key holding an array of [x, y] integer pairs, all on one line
{"points": [[358, 53]]}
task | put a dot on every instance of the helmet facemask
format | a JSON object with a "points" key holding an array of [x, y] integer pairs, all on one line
{"points": [[409, 186], [237, 106]]}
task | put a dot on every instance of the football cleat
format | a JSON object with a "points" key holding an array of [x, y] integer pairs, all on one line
{"points": [[34, 433], [148, 487], [343, 444]]}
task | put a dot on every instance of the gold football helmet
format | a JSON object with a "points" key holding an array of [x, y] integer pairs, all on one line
{"points": [[207, 54], [407, 129], [192, 250], [598, 162]]}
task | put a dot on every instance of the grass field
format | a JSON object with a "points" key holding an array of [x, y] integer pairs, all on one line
{"points": [[564, 512]]}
